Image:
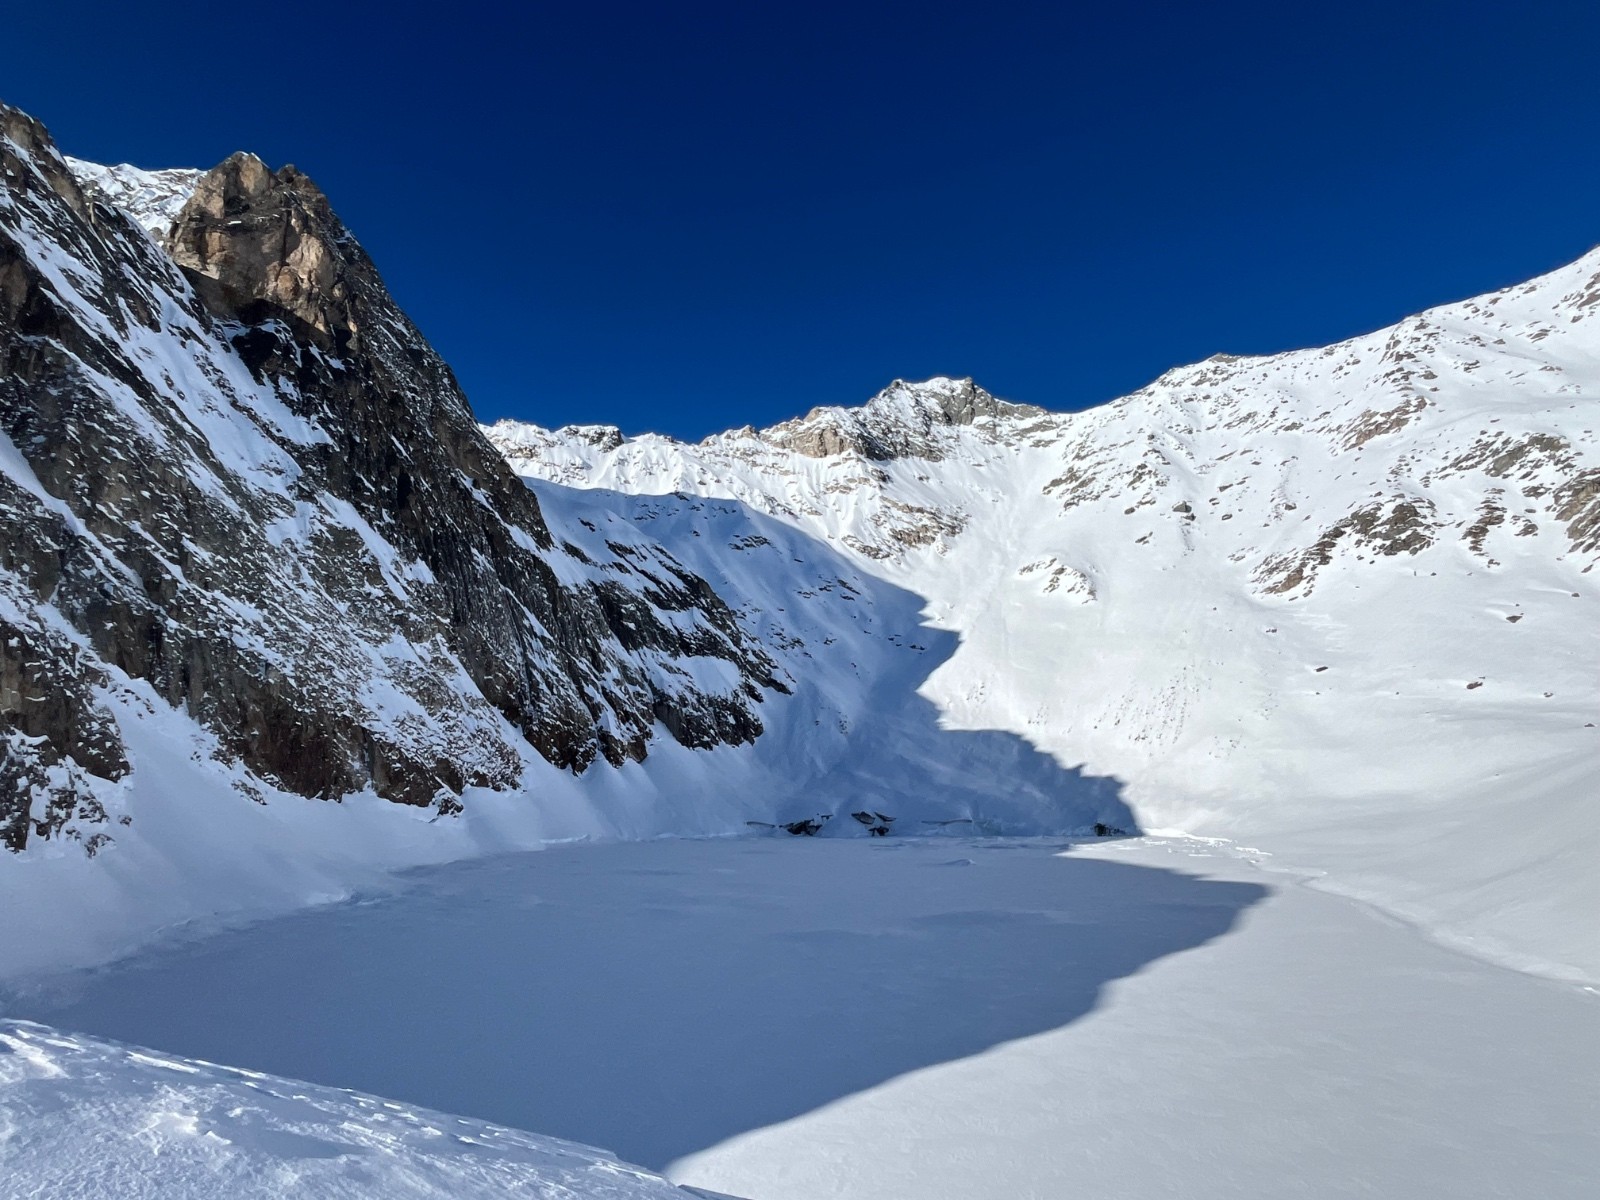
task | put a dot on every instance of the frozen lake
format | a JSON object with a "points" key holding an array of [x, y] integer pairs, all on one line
{"points": [[804, 1018]]}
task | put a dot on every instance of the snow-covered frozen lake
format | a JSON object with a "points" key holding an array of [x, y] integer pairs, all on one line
{"points": [[805, 1018]]}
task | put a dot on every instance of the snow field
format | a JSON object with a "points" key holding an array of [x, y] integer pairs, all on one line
{"points": [[785, 1018]]}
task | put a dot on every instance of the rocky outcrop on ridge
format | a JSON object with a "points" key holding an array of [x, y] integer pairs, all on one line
{"points": [[238, 482], [902, 421]]}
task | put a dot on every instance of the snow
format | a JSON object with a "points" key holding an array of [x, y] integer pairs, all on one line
{"points": [[801, 1019], [1041, 623], [81, 1116], [151, 198], [1333, 722]]}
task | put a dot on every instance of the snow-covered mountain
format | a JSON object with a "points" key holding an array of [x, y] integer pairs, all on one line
{"points": [[259, 557], [278, 618], [236, 475], [1333, 603], [1336, 603], [257, 549]]}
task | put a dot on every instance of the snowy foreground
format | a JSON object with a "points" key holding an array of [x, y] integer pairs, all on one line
{"points": [[778, 1018], [83, 1117]]}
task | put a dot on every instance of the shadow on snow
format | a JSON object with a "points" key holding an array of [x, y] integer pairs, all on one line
{"points": [[857, 734], [659, 998]]}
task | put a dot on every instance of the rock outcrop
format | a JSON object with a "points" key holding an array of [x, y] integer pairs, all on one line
{"points": [[237, 481], [902, 421]]}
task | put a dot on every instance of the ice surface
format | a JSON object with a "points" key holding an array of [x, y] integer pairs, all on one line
{"points": [[916, 1018]]}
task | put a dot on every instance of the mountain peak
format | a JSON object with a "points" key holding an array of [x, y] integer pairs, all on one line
{"points": [[270, 237], [904, 420]]}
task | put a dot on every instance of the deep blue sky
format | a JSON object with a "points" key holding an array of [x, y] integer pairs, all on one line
{"points": [[686, 216]]}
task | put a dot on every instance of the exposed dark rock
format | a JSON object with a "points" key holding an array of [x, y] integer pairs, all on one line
{"points": [[1398, 525], [1374, 423], [1578, 504], [257, 489], [1491, 515], [808, 827], [1507, 457], [877, 824]]}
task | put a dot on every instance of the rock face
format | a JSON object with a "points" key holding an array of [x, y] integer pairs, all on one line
{"points": [[259, 239], [238, 482]]}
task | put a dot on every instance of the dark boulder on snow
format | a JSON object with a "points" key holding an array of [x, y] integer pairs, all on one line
{"points": [[877, 824]]}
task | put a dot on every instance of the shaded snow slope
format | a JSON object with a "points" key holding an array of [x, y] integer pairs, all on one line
{"points": [[84, 1117], [1337, 601]]}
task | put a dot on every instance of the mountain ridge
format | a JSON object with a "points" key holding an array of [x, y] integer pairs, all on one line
{"points": [[1286, 599], [236, 473], [1331, 601]]}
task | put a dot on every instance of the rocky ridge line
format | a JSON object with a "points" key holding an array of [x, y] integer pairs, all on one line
{"points": [[238, 481]]}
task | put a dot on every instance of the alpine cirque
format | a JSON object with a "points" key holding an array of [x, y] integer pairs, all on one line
{"points": [[279, 619]]}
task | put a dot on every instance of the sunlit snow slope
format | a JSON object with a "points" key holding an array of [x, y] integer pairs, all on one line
{"points": [[152, 198], [1336, 602]]}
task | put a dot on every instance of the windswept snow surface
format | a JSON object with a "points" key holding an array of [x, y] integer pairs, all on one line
{"points": [[152, 198], [1337, 603], [84, 1117], [830, 1019]]}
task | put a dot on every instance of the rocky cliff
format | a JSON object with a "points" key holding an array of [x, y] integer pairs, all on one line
{"points": [[236, 481]]}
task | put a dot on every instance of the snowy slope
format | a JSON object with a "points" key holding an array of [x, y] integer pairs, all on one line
{"points": [[264, 575], [84, 1117], [1336, 602], [152, 198]]}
